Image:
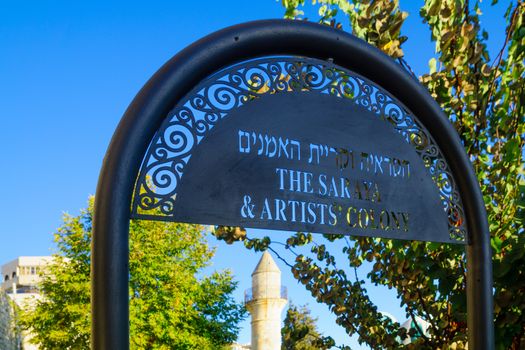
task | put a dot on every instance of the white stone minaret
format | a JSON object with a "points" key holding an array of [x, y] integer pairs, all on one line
{"points": [[265, 304]]}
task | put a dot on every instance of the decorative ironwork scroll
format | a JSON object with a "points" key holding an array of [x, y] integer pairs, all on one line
{"points": [[212, 101]]}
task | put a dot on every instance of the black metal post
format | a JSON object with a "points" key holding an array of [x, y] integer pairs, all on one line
{"points": [[480, 319], [110, 326]]}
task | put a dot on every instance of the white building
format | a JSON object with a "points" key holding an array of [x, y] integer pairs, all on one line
{"points": [[422, 326], [265, 302], [20, 279], [23, 272]]}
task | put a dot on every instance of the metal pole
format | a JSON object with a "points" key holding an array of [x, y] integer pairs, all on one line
{"points": [[480, 300], [110, 310]]}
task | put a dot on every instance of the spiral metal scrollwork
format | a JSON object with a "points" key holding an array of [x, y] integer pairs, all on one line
{"points": [[212, 100]]}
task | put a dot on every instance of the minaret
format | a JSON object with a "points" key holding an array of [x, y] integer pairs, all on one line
{"points": [[265, 304]]}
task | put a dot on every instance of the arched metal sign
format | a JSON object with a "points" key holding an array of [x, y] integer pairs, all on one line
{"points": [[288, 126]]}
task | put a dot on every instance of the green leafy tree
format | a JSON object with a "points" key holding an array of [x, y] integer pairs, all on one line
{"points": [[300, 332], [485, 100], [170, 306]]}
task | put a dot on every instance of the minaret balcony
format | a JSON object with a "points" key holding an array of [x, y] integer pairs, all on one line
{"points": [[250, 296]]}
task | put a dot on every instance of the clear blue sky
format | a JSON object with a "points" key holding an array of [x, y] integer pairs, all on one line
{"points": [[68, 70]]}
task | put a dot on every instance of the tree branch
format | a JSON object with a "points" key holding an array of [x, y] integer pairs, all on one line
{"points": [[280, 257], [424, 306], [413, 317], [499, 57]]}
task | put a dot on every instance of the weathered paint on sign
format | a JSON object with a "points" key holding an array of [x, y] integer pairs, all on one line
{"points": [[302, 161]]}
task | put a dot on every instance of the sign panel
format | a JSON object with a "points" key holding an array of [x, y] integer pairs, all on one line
{"points": [[304, 161]]}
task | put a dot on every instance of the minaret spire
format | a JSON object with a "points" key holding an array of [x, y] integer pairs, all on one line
{"points": [[265, 303]]}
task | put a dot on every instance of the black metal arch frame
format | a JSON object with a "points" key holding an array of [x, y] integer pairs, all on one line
{"points": [[110, 252]]}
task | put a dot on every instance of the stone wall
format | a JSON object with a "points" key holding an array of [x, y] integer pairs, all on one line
{"points": [[9, 337]]}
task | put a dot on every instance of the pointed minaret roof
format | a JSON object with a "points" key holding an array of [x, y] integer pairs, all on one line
{"points": [[266, 264]]}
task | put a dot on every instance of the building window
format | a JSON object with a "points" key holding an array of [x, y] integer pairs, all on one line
{"points": [[14, 274], [33, 270], [6, 278]]}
